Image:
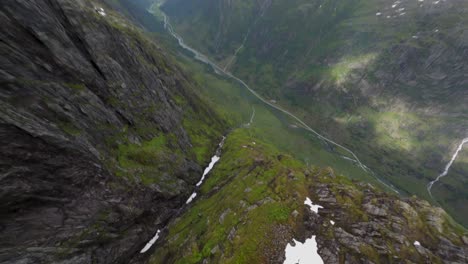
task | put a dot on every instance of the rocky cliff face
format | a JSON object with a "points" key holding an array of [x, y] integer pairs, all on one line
{"points": [[101, 135], [377, 228]]}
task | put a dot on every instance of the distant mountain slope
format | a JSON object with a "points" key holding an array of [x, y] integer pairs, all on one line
{"points": [[297, 37], [386, 78], [102, 137]]}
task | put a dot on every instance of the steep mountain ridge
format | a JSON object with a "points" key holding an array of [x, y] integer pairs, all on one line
{"points": [[253, 204], [102, 137]]}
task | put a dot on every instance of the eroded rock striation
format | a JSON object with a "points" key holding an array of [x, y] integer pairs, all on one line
{"points": [[98, 134]]}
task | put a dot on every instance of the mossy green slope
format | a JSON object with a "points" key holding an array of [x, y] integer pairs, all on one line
{"points": [[246, 198], [252, 205]]}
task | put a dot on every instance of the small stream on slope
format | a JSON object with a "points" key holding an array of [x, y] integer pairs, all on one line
{"points": [[251, 118], [218, 70], [226, 68], [207, 170], [447, 167]]}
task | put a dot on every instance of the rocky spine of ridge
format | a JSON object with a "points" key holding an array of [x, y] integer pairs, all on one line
{"points": [[252, 205], [378, 228]]}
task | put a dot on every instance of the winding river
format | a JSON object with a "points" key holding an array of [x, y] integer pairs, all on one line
{"points": [[203, 58]]}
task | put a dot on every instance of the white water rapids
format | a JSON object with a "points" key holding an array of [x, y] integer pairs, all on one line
{"points": [[447, 167]]}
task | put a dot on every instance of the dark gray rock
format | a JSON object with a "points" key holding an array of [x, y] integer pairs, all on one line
{"points": [[74, 86], [381, 226]]}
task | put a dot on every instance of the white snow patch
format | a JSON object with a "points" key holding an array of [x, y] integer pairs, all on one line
{"points": [[151, 242], [214, 159], [313, 207], [416, 243], [190, 199], [100, 11], [303, 253]]}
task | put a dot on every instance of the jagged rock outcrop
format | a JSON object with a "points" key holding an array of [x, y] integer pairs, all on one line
{"points": [[373, 227], [97, 134]]}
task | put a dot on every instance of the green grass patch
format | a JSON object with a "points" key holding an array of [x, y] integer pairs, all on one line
{"points": [[69, 128]]}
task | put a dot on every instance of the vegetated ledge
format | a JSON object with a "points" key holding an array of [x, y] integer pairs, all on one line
{"points": [[252, 205]]}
